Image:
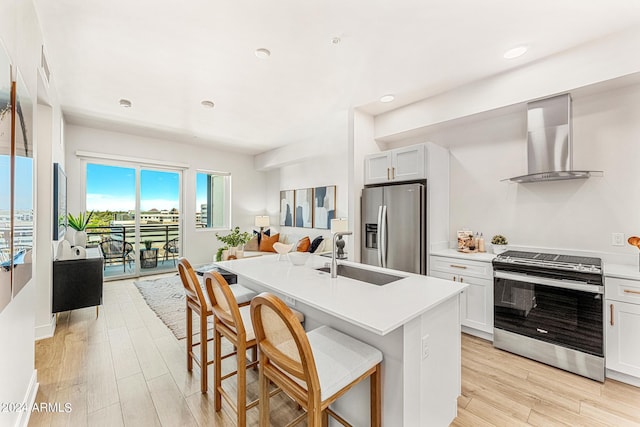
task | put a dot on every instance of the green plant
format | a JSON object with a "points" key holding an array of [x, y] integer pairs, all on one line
{"points": [[499, 239], [219, 253], [236, 238], [148, 244], [79, 222]]}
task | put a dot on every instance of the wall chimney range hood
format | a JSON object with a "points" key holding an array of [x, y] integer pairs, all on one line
{"points": [[549, 142]]}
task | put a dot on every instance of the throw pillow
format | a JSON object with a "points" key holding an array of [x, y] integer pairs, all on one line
{"points": [[252, 245], [266, 242], [257, 234], [315, 244], [303, 244]]}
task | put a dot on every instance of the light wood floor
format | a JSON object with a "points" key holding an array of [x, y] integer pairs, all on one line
{"points": [[126, 368]]}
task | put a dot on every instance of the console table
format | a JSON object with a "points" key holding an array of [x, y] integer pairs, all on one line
{"points": [[77, 283]]}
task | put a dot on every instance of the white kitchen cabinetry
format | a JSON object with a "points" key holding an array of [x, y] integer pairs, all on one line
{"points": [[401, 164], [476, 302], [622, 327]]}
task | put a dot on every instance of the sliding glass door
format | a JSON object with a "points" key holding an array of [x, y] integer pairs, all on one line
{"points": [[136, 217]]}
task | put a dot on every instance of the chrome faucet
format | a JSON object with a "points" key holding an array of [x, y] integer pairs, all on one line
{"points": [[334, 261]]}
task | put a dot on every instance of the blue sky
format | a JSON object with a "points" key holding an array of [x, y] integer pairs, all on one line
{"points": [[114, 188], [24, 183]]}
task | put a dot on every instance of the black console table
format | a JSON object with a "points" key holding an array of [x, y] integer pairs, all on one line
{"points": [[78, 283]]}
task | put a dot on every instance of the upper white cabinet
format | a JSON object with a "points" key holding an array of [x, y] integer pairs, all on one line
{"points": [[401, 164]]}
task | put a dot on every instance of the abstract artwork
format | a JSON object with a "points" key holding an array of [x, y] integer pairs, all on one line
{"points": [[23, 186], [287, 204], [5, 178], [324, 206], [304, 211]]}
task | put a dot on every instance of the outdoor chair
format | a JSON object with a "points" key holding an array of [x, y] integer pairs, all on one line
{"points": [[116, 251], [171, 250]]}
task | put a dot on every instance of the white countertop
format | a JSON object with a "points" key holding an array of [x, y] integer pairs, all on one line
{"points": [[379, 309], [622, 271], [453, 253]]}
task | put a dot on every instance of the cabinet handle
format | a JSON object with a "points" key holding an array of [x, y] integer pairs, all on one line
{"points": [[393, 173], [388, 176], [454, 278], [611, 309], [464, 267], [629, 291], [461, 279]]}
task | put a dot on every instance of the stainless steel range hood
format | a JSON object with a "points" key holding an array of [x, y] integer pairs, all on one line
{"points": [[549, 142]]}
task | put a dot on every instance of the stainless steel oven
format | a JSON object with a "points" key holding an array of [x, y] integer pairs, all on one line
{"points": [[550, 308]]}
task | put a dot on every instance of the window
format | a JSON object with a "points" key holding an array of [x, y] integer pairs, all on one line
{"points": [[213, 199]]}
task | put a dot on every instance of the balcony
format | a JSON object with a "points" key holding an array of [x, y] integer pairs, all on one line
{"points": [[157, 260]]}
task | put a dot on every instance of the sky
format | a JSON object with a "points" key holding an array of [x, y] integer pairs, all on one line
{"points": [[114, 188], [24, 183]]}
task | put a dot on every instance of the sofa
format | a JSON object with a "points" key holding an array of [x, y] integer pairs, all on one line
{"points": [[313, 242]]}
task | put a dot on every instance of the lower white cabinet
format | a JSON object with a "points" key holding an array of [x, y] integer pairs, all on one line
{"points": [[476, 302], [623, 326]]}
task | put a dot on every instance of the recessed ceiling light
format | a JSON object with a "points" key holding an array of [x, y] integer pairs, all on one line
{"points": [[387, 98], [125, 103], [336, 40], [515, 52], [207, 104], [263, 53]]}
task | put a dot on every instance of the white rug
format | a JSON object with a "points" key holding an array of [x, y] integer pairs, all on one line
{"points": [[165, 296]]}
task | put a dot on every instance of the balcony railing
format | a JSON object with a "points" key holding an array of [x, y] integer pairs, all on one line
{"points": [[160, 236]]}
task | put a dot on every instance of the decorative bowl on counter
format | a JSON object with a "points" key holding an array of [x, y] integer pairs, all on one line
{"points": [[281, 249], [298, 258]]}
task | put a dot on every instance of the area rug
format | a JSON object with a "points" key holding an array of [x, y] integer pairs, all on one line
{"points": [[165, 296]]}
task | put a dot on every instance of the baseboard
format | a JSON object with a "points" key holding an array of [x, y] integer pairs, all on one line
{"points": [[29, 399], [47, 330], [477, 333], [623, 378]]}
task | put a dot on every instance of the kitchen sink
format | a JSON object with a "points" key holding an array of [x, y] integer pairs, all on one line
{"points": [[368, 276]]}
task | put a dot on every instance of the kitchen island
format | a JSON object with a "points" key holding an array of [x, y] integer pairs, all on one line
{"points": [[414, 321]]}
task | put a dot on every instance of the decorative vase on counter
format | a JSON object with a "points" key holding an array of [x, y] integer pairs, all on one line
{"points": [[498, 249]]}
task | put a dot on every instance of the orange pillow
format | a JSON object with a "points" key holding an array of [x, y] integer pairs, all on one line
{"points": [[266, 242], [303, 244]]}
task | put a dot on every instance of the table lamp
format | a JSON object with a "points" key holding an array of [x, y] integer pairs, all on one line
{"points": [[262, 221]]}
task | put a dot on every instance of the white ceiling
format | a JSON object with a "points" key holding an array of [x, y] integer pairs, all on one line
{"points": [[166, 57]]}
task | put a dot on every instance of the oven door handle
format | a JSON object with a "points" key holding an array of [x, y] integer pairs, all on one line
{"points": [[537, 280]]}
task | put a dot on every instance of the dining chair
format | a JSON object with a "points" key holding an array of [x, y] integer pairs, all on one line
{"points": [[313, 368], [233, 323]]}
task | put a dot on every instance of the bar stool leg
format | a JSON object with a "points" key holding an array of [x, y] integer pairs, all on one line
{"points": [[204, 374], [189, 338], [376, 398], [217, 368], [241, 400], [264, 397]]}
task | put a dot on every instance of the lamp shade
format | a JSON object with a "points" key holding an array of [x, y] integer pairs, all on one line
{"points": [[339, 225], [262, 221]]}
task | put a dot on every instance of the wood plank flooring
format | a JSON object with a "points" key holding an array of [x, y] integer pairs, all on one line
{"points": [[125, 368]]}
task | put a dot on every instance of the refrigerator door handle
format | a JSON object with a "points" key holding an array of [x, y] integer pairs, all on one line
{"points": [[379, 252], [383, 237]]}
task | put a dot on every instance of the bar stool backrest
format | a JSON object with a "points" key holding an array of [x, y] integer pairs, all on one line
{"points": [[223, 303], [191, 283]]}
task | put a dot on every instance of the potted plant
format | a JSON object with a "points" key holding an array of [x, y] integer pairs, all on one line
{"points": [[233, 241], [499, 243], [79, 224], [148, 244]]}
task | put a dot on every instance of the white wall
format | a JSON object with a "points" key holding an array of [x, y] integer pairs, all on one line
{"points": [[578, 214], [20, 34], [322, 160], [199, 245]]}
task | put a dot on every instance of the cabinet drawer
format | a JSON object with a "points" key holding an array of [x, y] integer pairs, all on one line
{"points": [[456, 267], [622, 290]]}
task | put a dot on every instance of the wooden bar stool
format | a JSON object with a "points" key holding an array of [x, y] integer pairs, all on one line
{"points": [[198, 303], [234, 323], [314, 368]]}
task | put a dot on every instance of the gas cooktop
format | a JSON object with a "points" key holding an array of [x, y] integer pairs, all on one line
{"points": [[550, 261]]}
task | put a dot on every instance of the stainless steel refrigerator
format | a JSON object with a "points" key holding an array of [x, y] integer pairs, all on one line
{"points": [[394, 227]]}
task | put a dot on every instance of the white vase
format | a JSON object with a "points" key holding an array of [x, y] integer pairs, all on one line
{"points": [[69, 235], [225, 255], [498, 249], [80, 239]]}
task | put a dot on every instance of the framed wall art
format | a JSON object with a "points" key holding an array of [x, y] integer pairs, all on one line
{"points": [[287, 208], [324, 206], [304, 208]]}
